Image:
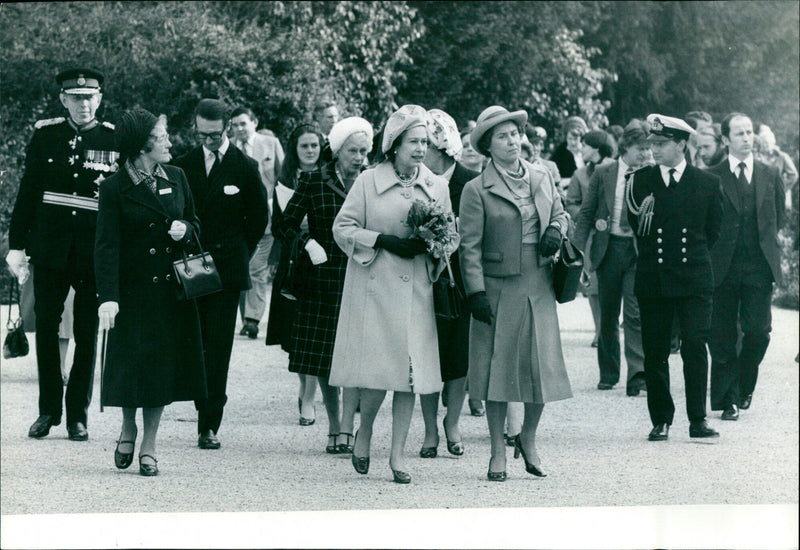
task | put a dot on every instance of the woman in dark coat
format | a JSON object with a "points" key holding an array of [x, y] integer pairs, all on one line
{"points": [[302, 156], [154, 352], [319, 197], [444, 146]]}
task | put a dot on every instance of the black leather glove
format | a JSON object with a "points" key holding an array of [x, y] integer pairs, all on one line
{"points": [[405, 248], [550, 241], [480, 308]]}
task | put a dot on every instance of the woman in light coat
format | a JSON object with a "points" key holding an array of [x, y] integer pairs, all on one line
{"points": [[386, 336], [511, 224]]}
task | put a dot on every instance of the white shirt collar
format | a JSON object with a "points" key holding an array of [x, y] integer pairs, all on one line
{"points": [[733, 162], [623, 168], [678, 171], [222, 149]]}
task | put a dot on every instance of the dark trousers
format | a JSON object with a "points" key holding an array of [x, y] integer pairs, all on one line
{"points": [[50, 289], [615, 278], [694, 317], [734, 375], [217, 322]]}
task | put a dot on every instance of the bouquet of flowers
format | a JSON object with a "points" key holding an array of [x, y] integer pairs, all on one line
{"points": [[436, 227]]}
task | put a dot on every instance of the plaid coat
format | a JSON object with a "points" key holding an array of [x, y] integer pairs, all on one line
{"points": [[314, 330]]}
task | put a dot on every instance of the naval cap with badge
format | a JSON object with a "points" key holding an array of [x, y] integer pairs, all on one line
{"points": [[80, 81], [668, 127]]}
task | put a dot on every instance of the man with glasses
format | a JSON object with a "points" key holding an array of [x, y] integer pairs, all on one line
{"points": [[53, 223], [231, 204]]}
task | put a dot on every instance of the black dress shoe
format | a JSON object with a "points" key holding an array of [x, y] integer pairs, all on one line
{"points": [[731, 412], [702, 429], [745, 403], [430, 452], [77, 431], [42, 426], [208, 440], [123, 460], [455, 448], [636, 385], [360, 463], [401, 477], [148, 470], [250, 329], [660, 432], [476, 409], [604, 386], [530, 467], [495, 476]]}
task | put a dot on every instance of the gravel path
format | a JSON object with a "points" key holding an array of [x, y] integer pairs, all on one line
{"points": [[621, 490]]}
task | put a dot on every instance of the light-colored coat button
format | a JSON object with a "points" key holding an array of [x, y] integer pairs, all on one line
{"points": [[155, 279], [658, 240], [684, 230], [152, 251], [405, 278], [684, 260], [661, 260], [74, 213], [660, 250], [659, 230], [683, 250]]}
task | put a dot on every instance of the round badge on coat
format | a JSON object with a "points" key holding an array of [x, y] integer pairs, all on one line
{"points": [[601, 225]]}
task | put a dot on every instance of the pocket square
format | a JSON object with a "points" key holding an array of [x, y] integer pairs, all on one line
{"points": [[230, 189]]}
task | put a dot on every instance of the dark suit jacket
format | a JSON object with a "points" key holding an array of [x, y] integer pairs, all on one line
{"points": [[598, 205], [461, 175], [674, 256], [769, 213], [232, 222]]}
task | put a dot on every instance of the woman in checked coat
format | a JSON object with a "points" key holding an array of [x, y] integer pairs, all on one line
{"points": [[319, 196]]}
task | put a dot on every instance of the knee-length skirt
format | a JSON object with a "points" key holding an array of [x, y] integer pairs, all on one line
{"points": [[518, 358]]}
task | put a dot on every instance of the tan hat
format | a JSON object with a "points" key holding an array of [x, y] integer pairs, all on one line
{"points": [[491, 117]]}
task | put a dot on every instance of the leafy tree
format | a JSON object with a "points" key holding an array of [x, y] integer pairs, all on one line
{"points": [[516, 54]]}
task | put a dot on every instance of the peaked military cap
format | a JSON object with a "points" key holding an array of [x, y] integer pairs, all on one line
{"points": [[669, 127], [80, 81]]}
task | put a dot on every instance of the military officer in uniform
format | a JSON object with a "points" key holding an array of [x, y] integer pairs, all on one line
{"points": [[53, 225], [675, 212]]}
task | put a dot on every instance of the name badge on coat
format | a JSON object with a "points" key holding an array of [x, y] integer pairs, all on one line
{"points": [[165, 191]]}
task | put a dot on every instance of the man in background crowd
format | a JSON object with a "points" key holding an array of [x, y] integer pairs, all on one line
{"points": [[267, 152], [746, 262], [326, 114]]}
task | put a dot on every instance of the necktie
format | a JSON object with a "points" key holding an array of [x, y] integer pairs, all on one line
{"points": [[742, 176], [672, 180], [246, 148], [216, 162]]}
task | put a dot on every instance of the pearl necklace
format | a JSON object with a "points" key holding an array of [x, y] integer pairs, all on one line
{"points": [[406, 180]]}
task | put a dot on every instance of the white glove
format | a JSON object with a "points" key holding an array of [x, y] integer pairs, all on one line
{"points": [[107, 312], [316, 252], [177, 230], [18, 265]]}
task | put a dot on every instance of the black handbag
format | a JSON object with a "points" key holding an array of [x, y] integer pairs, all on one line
{"points": [[448, 300], [567, 272], [15, 343], [294, 282], [196, 274]]}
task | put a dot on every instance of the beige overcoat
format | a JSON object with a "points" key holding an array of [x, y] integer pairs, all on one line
{"points": [[386, 334]]}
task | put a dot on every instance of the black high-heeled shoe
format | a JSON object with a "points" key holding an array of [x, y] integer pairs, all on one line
{"points": [[430, 452], [530, 468], [360, 463], [453, 447], [345, 448], [123, 460], [332, 449], [401, 477], [148, 469], [495, 476]]}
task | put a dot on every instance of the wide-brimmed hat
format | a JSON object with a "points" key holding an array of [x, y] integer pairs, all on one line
{"points": [[401, 120], [491, 117]]}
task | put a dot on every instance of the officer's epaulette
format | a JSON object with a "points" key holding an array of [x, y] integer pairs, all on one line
{"points": [[108, 125], [48, 122]]}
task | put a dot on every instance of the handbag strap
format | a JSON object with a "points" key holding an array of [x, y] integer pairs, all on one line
{"points": [[10, 325]]}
